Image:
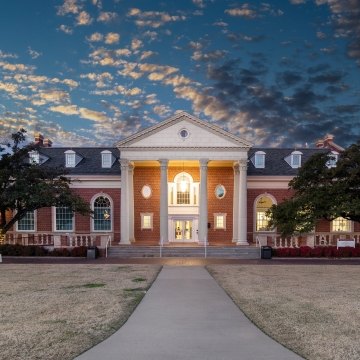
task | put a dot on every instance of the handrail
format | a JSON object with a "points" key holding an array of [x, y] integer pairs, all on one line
{"points": [[205, 246], [161, 246], [108, 244], [257, 240]]}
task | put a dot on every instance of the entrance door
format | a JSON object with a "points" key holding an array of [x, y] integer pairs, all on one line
{"points": [[183, 230]]}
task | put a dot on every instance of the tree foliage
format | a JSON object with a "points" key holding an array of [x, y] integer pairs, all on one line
{"points": [[26, 186], [321, 192]]}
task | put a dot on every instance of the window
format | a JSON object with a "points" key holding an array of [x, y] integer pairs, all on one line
{"points": [[146, 191], [296, 159], [64, 219], [70, 160], [220, 191], [146, 221], [34, 157], [333, 158], [220, 221], [183, 133], [259, 160], [263, 204], [183, 190], [102, 214], [341, 225], [106, 159], [27, 223]]}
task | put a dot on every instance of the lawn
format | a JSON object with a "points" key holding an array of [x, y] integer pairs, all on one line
{"points": [[58, 311], [313, 310]]}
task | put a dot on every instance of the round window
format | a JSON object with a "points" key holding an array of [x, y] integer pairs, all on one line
{"points": [[220, 191], [146, 191], [183, 134]]}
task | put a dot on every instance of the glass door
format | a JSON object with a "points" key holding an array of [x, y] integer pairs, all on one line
{"points": [[183, 230]]}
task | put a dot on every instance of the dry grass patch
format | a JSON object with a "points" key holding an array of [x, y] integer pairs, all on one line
{"points": [[313, 310], [59, 311]]}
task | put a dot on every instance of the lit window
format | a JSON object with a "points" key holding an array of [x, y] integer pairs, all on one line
{"points": [[259, 160], [183, 190], [220, 191], [64, 219], [220, 221], [106, 159], [146, 221], [263, 204], [341, 225], [27, 223], [102, 214]]}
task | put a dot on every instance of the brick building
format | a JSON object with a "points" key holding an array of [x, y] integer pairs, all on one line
{"points": [[180, 181]]}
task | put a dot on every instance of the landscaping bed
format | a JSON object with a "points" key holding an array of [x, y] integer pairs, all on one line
{"points": [[319, 251]]}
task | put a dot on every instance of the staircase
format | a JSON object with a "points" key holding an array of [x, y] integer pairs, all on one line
{"points": [[234, 252]]}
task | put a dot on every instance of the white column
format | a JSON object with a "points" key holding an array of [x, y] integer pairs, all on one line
{"points": [[164, 200], [242, 203], [203, 202], [236, 202], [131, 203], [124, 211]]}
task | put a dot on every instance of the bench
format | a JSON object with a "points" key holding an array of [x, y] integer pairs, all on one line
{"points": [[345, 243]]}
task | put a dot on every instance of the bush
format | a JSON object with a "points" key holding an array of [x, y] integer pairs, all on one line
{"points": [[21, 250], [80, 251], [320, 251]]}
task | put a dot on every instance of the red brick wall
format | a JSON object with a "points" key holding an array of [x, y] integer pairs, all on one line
{"points": [[147, 176], [223, 176]]}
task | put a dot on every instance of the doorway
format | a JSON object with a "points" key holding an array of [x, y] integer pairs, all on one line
{"points": [[183, 230]]}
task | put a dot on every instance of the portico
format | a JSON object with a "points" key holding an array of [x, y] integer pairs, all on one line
{"points": [[174, 166]]}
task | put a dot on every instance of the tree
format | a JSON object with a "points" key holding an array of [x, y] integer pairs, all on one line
{"points": [[321, 191], [26, 186]]}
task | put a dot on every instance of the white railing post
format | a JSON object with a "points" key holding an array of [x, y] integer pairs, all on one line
{"points": [[205, 245], [161, 245], [108, 244]]}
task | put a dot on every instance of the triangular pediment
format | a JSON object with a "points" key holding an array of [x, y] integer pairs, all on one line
{"points": [[183, 131]]}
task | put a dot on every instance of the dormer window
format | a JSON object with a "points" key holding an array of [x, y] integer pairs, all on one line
{"points": [[71, 158], [294, 159], [107, 159], [259, 160], [34, 157], [333, 158]]}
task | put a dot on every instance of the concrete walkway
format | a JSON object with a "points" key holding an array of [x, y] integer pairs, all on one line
{"points": [[186, 315]]}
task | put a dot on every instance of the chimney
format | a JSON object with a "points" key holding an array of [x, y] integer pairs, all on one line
{"points": [[39, 139], [47, 143]]}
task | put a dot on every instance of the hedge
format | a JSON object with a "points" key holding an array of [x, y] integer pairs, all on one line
{"points": [[320, 251]]}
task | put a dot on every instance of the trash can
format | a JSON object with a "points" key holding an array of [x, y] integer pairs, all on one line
{"points": [[91, 253], [266, 252]]}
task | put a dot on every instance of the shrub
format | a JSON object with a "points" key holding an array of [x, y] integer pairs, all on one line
{"points": [[320, 251], [80, 251], [21, 250], [305, 251]]}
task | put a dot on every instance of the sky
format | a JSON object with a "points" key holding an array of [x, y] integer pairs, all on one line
{"points": [[91, 72]]}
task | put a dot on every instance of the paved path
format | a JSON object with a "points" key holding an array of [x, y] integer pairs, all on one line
{"points": [[186, 315]]}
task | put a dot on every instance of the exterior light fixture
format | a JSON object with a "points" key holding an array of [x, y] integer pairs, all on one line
{"points": [[106, 215], [183, 182]]}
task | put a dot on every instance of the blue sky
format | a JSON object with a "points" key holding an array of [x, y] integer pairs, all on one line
{"points": [[90, 72]]}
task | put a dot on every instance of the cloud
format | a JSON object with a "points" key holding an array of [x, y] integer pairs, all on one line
{"points": [[106, 17], [243, 11], [68, 7], [153, 19], [146, 54], [33, 54], [250, 12], [199, 3], [136, 44], [82, 112], [8, 87], [83, 19], [95, 37], [56, 96], [16, 67], [210, 56], [112, 38], [4, 55], [65, 109], [66, 29]]}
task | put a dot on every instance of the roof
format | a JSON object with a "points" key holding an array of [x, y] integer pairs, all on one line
{"points": [[275, 163], [90, 163]]}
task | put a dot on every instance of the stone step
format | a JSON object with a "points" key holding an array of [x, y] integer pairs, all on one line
{"points": [[154, 251]]}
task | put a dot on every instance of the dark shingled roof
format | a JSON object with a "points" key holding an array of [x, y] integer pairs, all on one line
{"points": [[275, 163], [89, 165]]}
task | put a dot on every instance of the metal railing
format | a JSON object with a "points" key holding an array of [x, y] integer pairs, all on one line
{"points": [[107, 245]]}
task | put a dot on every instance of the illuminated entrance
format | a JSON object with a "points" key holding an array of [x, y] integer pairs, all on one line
{"points": [[183, 229]]}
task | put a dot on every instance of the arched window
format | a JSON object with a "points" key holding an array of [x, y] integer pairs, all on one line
{"points": [[183, 189], [263, 204], [102, 214]]}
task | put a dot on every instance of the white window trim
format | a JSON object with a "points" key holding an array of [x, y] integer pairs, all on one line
{"points": [[255, 212], [34, 157], [151, 221], [112, 213], [257, 155], [76, 157], [107, 153], [53, 210], [216, 215], [342, 231], [292, 156], [27, 231], [332, 163], [194, 190]]}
